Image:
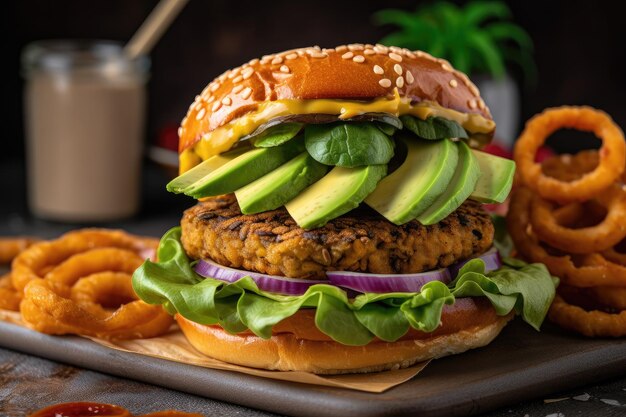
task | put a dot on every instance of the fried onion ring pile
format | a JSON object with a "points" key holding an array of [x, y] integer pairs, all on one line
{"points": [[569, 213], [81, 284]]}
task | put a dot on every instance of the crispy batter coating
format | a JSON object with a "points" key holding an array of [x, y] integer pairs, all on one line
{"points": [[272, 243]]}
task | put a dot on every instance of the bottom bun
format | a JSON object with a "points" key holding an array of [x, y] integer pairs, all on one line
{"points": [[286, 352]]}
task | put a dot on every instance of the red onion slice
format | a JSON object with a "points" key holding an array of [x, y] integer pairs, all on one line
{"points": [[382, 283], [270, 283], [357, 281]]}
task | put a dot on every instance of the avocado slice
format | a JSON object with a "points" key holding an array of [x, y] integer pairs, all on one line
{"points": [[281, 185], [338, 192], [244, 169], [496, 178], [416, 184], [461, 186], [178, 184]]}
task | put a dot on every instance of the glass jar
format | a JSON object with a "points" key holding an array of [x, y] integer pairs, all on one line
{"points": [[84, 117]]}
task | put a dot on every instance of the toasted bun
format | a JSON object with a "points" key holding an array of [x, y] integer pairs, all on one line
{"points": [[360, 72], [304, 349]]}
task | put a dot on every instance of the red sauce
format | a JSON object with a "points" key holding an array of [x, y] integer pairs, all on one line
{"points": [[85, 409]]}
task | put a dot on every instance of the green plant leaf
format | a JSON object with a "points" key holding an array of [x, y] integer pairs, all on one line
{"points": [[433, 128], [241, 305], [476, 12], [348, 144], [396, 17], [483, 45], [503, 31]]}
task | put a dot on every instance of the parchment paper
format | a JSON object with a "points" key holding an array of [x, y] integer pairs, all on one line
{"points": [[175, 347]]}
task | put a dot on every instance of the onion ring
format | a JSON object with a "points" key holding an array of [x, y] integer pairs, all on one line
{"points": [[589, 323], [594, 269], [44, 310], [602, 236], [9, 297], [29, 264], [617, 253], [612, 153], [81, 284], [10, 247], [567, 167]]}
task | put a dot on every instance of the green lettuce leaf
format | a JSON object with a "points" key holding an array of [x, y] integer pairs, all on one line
{"points": [[240, 306]]}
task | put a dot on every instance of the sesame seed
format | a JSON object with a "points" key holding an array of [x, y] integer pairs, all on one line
{"points": [[326, 50], [385, 82], [284, 69], [347, 55], [246, 93], [408, 53], [254, 61], [318, 55], [395, 57], [277, 60], [378, 70], [446, 67], [409, 77], [369, 52], [395, 49], [227, 101], [472, 103], [400, 82], [211, 100], [398, 69], [419, 53], [473, 89], [214, 87], [453, 83], [300, 52], [200, 114], [292, 56], [238, 79], [216, 106], [381, 46], [355, 47], [206, 90], [247, 73], [359, 58], [198, 106], [234, 73], [237, 89], [341, 48], [180, 131]]}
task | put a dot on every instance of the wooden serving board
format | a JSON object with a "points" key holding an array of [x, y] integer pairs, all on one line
{"points": [[521, 364]]}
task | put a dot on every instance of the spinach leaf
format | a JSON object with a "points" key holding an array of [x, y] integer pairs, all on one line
{"points": [[385, 128], [277, 135], [348, 144], [433, 127]]}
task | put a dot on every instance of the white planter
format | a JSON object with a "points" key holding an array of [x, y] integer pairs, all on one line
{"points": [[503, 98]]}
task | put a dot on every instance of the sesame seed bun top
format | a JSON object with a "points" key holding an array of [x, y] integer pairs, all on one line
{"points": [[356, 71]]}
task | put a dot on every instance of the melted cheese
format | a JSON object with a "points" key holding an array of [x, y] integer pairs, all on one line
{"points": [[224, 137]]}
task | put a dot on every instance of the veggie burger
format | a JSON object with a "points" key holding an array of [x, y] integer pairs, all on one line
{"points": [[339, 226]]}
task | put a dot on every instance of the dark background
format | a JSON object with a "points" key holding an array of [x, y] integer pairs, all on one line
{"points": [[579, 46]]}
